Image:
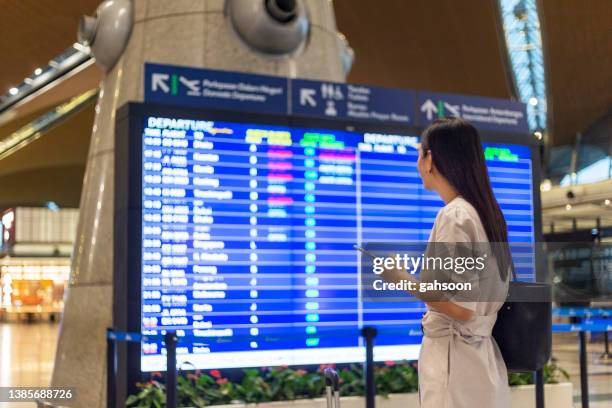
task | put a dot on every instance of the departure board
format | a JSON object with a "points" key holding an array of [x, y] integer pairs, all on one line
{"points": [[248, 232]]}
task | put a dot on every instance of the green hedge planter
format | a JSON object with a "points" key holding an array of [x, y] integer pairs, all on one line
{"points": [[287, 384]]}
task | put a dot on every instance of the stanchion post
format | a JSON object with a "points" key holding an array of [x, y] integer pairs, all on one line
{"points": [[170, 339], [538, 377], [584, 375], [111, 368], [369, 333]]}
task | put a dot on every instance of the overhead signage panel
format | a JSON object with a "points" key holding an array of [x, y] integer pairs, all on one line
{"points": [[484, 113], [350, 101], [169, 84], [196, 87]]}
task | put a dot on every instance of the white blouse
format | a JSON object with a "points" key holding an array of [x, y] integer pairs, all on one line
{"points": [[460, 365]]}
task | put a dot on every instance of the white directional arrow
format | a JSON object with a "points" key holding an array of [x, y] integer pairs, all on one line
{"points": [[429, 108], [307, 97], [453, 109], [158, 81]]}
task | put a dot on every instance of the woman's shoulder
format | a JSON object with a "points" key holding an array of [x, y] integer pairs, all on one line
{"points": [[460, 216], [459, 210]]}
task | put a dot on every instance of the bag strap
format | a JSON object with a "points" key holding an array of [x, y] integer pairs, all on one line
{"points": [[511, 266]]}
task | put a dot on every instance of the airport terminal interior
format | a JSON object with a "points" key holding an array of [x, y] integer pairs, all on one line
{"points": [[184, 183]]}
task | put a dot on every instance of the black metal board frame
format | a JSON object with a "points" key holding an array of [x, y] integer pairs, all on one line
{"points": [[128, 205]]}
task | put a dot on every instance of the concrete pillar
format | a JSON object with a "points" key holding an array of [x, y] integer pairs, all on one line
{"points": [[182, 32]]}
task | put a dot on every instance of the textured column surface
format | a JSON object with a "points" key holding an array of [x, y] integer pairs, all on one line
{"points": [[181, 32]]}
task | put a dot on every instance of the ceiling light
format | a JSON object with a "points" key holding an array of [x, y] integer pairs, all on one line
{"points": [[80, 47], [38, 71], [606, 202], [546, 185], [13, 91], [52, 205], [568, 207]]}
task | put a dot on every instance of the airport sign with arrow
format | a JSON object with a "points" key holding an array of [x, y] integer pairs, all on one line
{"points": [[196, 87], [484, 113], [351, 101], [177, 85]]}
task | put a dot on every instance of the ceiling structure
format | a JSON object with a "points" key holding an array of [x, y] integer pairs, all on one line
{"points": [[39, 30], [51, 168], [454, 46], [444, 46], [577, 41]]}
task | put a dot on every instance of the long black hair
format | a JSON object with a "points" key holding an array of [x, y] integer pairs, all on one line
{"points": [[458, 156]]}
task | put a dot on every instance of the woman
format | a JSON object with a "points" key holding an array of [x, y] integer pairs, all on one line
{"points": [[460, 364]]}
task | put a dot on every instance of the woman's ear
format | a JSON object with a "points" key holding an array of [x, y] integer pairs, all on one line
{"points": [[429, 162]]}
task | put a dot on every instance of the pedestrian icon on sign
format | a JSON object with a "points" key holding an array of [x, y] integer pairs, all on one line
{"points": [[331, 110]]}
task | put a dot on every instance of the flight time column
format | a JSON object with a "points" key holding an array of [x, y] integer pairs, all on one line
{"points": [[165, 234]]}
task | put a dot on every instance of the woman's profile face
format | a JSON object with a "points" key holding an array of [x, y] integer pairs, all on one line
{"points": [[424, 166]]}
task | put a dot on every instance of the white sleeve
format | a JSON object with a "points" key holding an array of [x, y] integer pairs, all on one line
{"points": [[456, 226]]}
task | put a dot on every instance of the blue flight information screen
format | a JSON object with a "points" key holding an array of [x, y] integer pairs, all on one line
{"points": [[248, 234]]}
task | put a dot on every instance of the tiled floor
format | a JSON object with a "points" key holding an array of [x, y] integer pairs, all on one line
{"points": [[28, 350], [27, 354], [565, 350]]}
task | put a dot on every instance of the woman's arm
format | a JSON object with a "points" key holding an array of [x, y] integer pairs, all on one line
{"points": [[432, 298], [452, 310]]}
